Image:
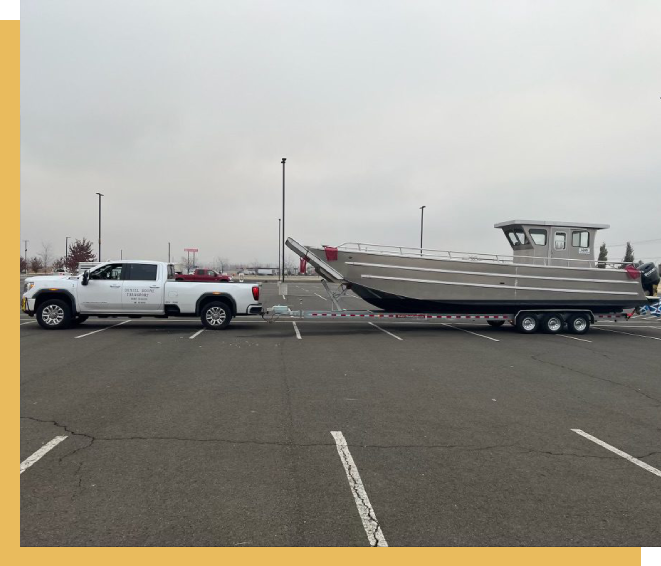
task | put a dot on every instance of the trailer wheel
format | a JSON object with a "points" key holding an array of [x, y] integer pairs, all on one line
{"points": [[54, 314], [216, 315], [527, 323], [578, 324], [495, 323], [552, 323]]}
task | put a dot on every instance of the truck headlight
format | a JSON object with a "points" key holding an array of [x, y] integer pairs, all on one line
{"points": [[27, 287]]}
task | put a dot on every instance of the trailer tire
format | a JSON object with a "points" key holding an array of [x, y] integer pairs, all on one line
{"points": [[578, 324], [495, 323], [527, 323], [216, 315], [552, 323], [54, 314]]}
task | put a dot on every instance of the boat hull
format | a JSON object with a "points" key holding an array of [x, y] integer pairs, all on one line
{"points": [[401, 283]]}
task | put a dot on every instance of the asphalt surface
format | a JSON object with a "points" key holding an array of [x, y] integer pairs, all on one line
{"points": [[460, 434]]}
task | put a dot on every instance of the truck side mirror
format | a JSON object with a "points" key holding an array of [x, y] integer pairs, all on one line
{"points": [[86, 278]]}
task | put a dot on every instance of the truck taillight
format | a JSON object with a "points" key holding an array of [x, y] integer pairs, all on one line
{"points": [[255, 292]]}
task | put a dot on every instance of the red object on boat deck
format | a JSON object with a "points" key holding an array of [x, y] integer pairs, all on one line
{"points": [[632, 272], [304, 265], [331, 253]]}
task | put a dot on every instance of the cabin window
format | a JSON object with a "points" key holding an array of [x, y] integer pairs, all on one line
{"points": [[112, 272], [538, 236], [517, 237], [580, 239], [560, 241]]}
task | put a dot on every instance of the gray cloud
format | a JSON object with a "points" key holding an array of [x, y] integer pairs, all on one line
{"points": [[179, 112]]}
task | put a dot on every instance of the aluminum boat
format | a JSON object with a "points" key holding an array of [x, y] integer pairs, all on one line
{"points": [[552, 266]]}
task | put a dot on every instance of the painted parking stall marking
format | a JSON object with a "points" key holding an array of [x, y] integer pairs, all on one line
{"points": [[624, 455], [196, 334], [628, 333], [102, 329], [39, 454], [298, 333], [384, 330], [471, 332], [365, 509]]}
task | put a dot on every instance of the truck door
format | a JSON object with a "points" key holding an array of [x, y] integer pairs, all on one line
{"points": [[560, 248], [103, 292], [143, 289]]}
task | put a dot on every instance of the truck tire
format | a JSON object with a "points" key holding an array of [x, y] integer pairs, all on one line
{"points": [[552, 323], [578, 324], [495, 323], [53, 314], [78, 319], [216, 315], [527, 323]]}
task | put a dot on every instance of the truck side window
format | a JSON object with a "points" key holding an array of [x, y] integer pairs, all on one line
{"points": [[212, 273], [143, 272], [171, 272], [112, 271]]}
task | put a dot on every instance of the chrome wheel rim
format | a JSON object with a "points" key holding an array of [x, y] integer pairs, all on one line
{"points": [[52, 315], [528, 323], [215, 316], [580, 324], [554, 324]]}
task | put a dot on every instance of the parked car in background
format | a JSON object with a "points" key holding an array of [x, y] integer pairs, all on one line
{"points": [[203, 275]]}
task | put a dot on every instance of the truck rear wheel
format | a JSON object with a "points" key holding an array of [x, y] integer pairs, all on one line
{"points": [[54, 314], [216, 315]]}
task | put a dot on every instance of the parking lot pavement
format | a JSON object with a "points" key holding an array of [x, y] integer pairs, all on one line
{"points": [[462, 434]]}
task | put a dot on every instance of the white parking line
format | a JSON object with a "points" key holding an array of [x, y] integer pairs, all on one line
{"points": [[470, 332], [618, 452], [196, 334], [382, 330], [628, 333], [365, 510], [102, 329], [298, 334], [318, 295], [574, 338], [25, 464], [28, 322]]}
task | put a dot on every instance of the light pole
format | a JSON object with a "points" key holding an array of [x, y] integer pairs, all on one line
{"points": [[279, 244], [422, 224], [168, 252], [26, 256], [100, 195], [66, 252], [121, 254], [283, 218]]}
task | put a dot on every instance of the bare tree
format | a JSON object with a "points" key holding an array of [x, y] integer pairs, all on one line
{"points": [[24, 264], [46, 255], [220, 264], [188, 262]]}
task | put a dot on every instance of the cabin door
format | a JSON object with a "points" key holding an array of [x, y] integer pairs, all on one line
{"points": [[560, 247]]}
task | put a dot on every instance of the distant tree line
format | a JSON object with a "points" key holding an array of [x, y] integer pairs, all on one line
{"points": [[79, 251]]}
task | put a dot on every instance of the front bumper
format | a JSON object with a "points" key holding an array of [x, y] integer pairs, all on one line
{"points": [[27, 306]]}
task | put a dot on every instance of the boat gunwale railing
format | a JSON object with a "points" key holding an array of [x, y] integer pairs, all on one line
{"points": [[407, 251]]}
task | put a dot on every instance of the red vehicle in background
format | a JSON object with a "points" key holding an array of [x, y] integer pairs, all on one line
{"points": [[202, 275]]}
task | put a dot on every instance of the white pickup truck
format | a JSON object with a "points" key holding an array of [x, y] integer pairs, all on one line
{"points": [[135, 289]]}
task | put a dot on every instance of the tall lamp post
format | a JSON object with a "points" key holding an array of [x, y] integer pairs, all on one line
{"points": [[26, 256], [283, 218], [100, 195], [66, 250], [422, 224], [279, 244]]}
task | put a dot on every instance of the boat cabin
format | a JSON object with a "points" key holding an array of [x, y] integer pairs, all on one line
{"points": [[552, 243]]}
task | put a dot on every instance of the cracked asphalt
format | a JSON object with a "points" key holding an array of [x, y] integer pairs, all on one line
{"points": [[225, 439]]}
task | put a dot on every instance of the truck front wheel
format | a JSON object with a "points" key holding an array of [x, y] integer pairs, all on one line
{"points": [[53, 314], [216, 315]]}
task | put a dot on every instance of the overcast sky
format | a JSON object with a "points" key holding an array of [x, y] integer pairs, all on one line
{"points": [[180, 112]]}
